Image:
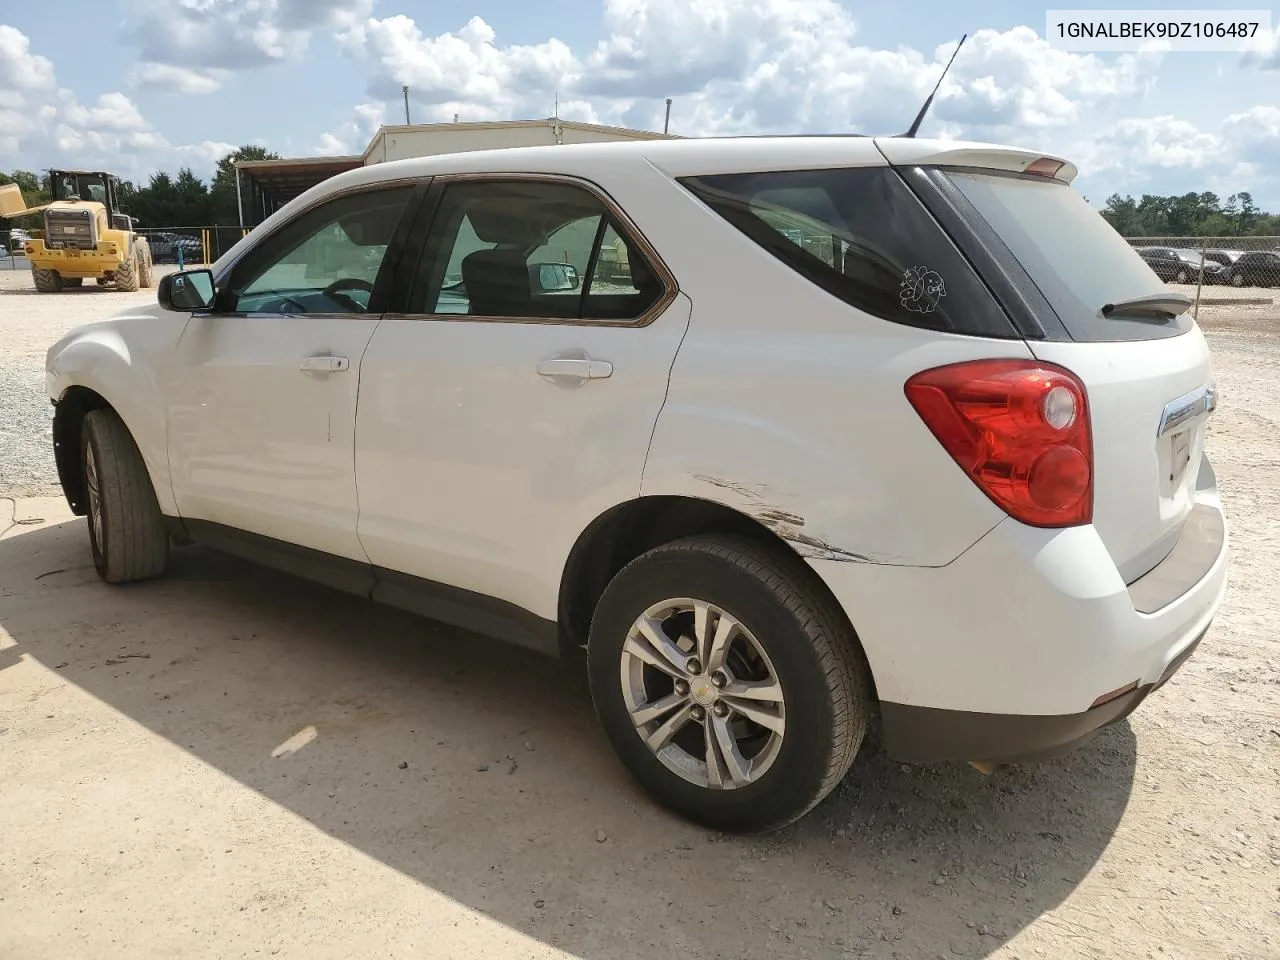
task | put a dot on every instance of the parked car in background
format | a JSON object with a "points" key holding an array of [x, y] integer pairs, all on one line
{"points": [[1174, 265], [1224, 257], [166, 244], [814, 454], [17, 241], [1255, 268]]}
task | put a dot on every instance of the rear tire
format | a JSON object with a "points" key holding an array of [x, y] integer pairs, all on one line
{"points": [[47, 281], [126, 529], [749, 761], [72, 281], [127, 275]]}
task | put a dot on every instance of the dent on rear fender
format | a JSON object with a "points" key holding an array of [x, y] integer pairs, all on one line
{"points": [[787, 525]]}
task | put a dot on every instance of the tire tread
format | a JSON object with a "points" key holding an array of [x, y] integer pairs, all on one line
{"points": [[137, 543]]}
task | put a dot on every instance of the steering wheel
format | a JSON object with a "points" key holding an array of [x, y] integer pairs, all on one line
{"points": [[334, 291]]}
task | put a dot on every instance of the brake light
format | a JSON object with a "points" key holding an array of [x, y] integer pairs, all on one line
{"points": [[1020, 430], [1044, 167]]}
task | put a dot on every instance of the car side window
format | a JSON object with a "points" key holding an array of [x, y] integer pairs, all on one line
{"points": [[861, 235], [510, 249], [325, 261]]}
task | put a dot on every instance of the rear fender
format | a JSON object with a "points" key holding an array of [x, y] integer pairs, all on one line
{"points": [[812, 435]]}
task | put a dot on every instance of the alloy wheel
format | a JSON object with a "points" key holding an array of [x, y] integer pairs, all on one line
{"points": [[703, 694], [95, 496]]}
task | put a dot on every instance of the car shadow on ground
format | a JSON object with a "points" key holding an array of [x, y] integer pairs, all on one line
{"points": [[479, 770]]}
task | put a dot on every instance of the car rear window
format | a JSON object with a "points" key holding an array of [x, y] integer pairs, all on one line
{"points": [[861, 235], [1075, 258]]}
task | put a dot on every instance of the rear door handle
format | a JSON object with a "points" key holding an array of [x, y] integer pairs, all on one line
{"points": [[324, 364], [579, 367]]}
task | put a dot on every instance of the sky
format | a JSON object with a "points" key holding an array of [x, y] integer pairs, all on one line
{"points": [[146, 85]]}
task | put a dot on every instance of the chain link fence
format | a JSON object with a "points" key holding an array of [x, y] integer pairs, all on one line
{"points": [[1227, 277], [190, 245], [184, 245]]}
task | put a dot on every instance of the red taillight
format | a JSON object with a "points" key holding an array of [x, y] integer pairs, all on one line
{"points": [[1019, 429]]}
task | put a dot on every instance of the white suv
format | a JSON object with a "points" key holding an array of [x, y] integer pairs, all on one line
{"points": [[842, 431]]}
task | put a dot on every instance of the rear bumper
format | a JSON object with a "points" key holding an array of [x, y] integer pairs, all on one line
{"points": [[73, 263], [924, 734], [1005, 653]]}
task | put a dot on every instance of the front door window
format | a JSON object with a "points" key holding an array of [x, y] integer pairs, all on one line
{"points": [[326, 261]]}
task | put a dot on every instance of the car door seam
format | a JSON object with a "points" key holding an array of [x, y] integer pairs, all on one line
{"points": [[666, 390], [168, 452], [355, 435]]}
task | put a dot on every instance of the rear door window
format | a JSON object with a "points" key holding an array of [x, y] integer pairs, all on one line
{"points": [[1075, 258], [861, 235]]}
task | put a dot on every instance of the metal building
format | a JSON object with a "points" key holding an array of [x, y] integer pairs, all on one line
{"points": [[266, 185]]}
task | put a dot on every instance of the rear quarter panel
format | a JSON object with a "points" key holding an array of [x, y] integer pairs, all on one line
{"points": [[787, 404]]}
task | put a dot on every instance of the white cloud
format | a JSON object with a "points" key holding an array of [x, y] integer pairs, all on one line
{"points": [[113, 112], [42, 124], [19, 68], [174, 79], [1166, 155], [741, 66], [235, 34], [354, 135], [1264, 51]]}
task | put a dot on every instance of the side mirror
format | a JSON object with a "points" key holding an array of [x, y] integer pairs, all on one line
{"points": [[553, 277], [187, 292]]}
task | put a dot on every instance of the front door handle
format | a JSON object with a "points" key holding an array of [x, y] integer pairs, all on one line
{"points": [[324, 364], [579, 367]]}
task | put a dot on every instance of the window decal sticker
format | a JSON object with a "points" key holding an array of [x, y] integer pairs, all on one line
{"points": [[921, 289]]}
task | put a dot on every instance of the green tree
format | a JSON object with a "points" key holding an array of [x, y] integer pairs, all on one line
{"points": [[1122, 214], [192, 200], [222, 192], [1189, 215]]}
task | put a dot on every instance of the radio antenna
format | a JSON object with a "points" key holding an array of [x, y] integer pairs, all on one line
{"points": [[915, 126]]}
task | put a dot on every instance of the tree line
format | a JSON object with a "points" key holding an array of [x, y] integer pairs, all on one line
{"points": [[1190, 215], [184, 200]]}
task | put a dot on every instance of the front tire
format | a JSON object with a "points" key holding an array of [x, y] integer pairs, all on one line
{"points": [[126, 529], [146, 275], [730, 686], [127, 275]]}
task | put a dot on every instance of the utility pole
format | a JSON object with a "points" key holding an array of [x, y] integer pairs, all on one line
{"points": [[405, 90], [666, 124]]}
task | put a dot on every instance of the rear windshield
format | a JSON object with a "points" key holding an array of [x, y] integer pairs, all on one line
{"points": [[864, 237], [1070, 252]]}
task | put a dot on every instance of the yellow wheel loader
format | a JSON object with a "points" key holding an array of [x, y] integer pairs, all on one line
{"points": [[85, 236]]}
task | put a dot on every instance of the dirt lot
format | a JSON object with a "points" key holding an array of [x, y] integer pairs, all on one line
{"points": [[231, 763]]}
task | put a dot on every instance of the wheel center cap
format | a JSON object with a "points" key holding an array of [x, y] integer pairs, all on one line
{"points": [[702, 691]]}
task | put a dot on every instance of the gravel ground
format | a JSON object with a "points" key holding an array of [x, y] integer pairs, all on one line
{"points": [[30, 323], [231, 763]]}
